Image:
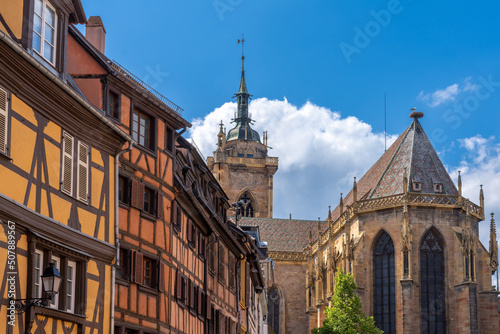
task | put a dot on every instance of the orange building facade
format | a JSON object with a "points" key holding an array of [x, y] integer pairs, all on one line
{"points": [[57, 179]]}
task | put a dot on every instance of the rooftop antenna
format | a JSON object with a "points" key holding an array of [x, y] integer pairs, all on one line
{"points": [[385, 121]]}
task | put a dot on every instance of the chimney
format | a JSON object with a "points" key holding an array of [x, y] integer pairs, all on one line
{"points": [[95, 33]]}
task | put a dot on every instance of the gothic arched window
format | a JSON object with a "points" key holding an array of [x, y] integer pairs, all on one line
{"points": [[384, 284], [432, 298], [247, 209], [273, 309]]}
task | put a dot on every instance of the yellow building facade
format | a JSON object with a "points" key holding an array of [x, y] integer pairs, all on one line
{"points": [[57, 179]]}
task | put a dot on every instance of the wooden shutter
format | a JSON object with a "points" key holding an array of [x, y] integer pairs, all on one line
{"points": [[178, 282], [161, 277], [209, 307], [67, 164], [138, 268], [134, 192], [83, 172], [247, 285], [159, 207], [200, 302], [4, 120], [173, 219]]}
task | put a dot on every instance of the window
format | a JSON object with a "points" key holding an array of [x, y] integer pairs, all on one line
{"points": [[180, 288], [201, 246], [246, 210], [417, 186], [231, 272], [123, 271], [241, 155], [192, 234], [438, 188], [384, 284], [273, 309], [142, 129], [169, 139], [432, 297], [148, 272], [54, 302], [123, 189], [113, 105], [176, 216], [149, 201], [222, 264], [249, 155], [4, 120], [75, 171], [37, 272], [70, 286], [44, 30], [211, 255]]}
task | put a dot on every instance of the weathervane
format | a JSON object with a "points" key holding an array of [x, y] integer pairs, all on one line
{"points": [[242, 41]]}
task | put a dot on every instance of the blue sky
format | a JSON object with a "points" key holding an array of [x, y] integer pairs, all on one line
{"points": [[329, 62]]}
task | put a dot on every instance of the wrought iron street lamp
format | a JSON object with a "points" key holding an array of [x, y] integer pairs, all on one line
{"points": [[51, 280]]}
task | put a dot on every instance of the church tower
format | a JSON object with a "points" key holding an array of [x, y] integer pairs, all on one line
{"points": [[240, 162]]}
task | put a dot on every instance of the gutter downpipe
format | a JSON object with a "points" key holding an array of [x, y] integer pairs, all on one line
{"points": [[117, 234]]}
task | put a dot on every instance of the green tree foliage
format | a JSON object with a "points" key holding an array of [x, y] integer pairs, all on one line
{"points": [[346, 315]]}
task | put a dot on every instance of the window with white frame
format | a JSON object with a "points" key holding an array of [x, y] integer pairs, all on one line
{"points": [[54, 302], [72, 161], [70, 286], [44, 30], [38, 271]]}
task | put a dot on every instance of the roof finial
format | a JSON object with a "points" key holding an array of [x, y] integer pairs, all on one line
{"points": [[242, 41], [416, 114], [459, 184]]}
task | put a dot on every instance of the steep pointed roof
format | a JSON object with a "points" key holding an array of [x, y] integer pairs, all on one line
{"points": [[411, 151], [243, 84]]}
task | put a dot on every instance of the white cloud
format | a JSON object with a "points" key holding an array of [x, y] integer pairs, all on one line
{"points": [[450, 93], [481, 166], [319, 151], [440, 96]]}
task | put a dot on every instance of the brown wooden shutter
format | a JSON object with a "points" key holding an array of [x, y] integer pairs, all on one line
{"points": [[178, 282], [138, 268], [209, 307], [200, 302], [174, 213], [83, 172], [161, 277], [134, 192], [192, 295], [160, 205], [247, 285], [67, 164], [140, 196], [4, 120], [189, 230]]}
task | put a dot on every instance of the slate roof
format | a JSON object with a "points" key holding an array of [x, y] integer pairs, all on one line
{"points": [[413, 151], [289, 235]]}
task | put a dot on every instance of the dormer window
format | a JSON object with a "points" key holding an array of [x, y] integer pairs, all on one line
{"points": [[417, 186], [44, 30], [438, 188]]}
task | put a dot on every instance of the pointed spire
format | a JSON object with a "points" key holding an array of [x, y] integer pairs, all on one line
{"points": [[310, 236], [481, 197], [493, 245], [329, 213], [341, 205], [459, 184], [355, 190]]}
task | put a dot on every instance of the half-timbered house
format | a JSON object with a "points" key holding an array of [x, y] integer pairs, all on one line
{"points": [[57, 178], [145, 269]]}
